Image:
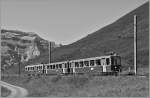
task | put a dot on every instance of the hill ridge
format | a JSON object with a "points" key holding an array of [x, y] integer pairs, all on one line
{"points": [[118, 37]]}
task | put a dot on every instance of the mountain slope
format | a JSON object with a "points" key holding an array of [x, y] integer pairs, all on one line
{"points": [[117, 37], [27, 44]]}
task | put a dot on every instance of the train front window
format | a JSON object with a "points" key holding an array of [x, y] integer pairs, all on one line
{"points": [[91, 62], [98, 62], [116, 61], [76, 64], [86, 63], [81, 64], [107, 61]]}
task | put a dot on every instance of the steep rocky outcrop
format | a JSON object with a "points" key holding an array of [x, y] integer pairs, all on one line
{"points": [[22, 46]]}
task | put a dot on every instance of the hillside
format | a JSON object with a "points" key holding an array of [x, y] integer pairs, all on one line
{"points": [[28, 44], [117, 37]]}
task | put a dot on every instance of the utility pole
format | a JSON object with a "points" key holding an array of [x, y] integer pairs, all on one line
{"points": [[49, 52], [18, 62], [135, 44]]}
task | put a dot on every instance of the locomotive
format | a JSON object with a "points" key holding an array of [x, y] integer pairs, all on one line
{"points": [[101, 65]]}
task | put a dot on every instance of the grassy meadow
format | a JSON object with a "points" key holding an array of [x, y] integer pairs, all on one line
{"points": [[84, 85]]}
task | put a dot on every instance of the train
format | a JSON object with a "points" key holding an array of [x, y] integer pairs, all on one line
{"points": [[100, 65]]}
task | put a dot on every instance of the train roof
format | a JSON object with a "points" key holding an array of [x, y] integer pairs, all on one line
{"points": [[84, 59], [34, 65]]}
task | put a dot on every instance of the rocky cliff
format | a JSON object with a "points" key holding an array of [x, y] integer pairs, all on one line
{"points": [[22, 46]]}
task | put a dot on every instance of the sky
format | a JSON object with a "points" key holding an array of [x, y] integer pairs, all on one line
{"points": [[63, 21]]}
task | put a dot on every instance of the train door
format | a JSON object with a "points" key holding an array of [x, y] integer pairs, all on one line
{"points": [[44, 69], [103, 63], [73, 67], [63, 68], [69, 68]]}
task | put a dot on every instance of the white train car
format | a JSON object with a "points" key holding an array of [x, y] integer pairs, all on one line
{"points": [[35, 69]]}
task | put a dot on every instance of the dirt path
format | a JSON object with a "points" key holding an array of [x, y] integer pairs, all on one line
{"points": [[16, 91]]}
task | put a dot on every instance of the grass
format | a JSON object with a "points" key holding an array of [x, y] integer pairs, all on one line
{"points": [[5, 92], [83, 85]]}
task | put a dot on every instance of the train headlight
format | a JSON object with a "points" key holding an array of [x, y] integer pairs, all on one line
{"points": [[92, 68]]}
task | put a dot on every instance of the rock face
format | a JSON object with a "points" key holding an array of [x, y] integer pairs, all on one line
{"points": [[22, 46]]}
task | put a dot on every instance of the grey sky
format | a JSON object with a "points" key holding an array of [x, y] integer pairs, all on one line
{"points": [[63, 21]]}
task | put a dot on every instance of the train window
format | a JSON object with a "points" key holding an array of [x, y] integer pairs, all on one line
{"points": [[65, 65], [68, 64], [91, 62], [115, 60], [60, 65], [48, 66], [107, 61], [53, 66], [57, 66], [81, 63], [118, 60], [76, 64], [86, 63], [112, 61], [37, 67], [98, 62]]}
